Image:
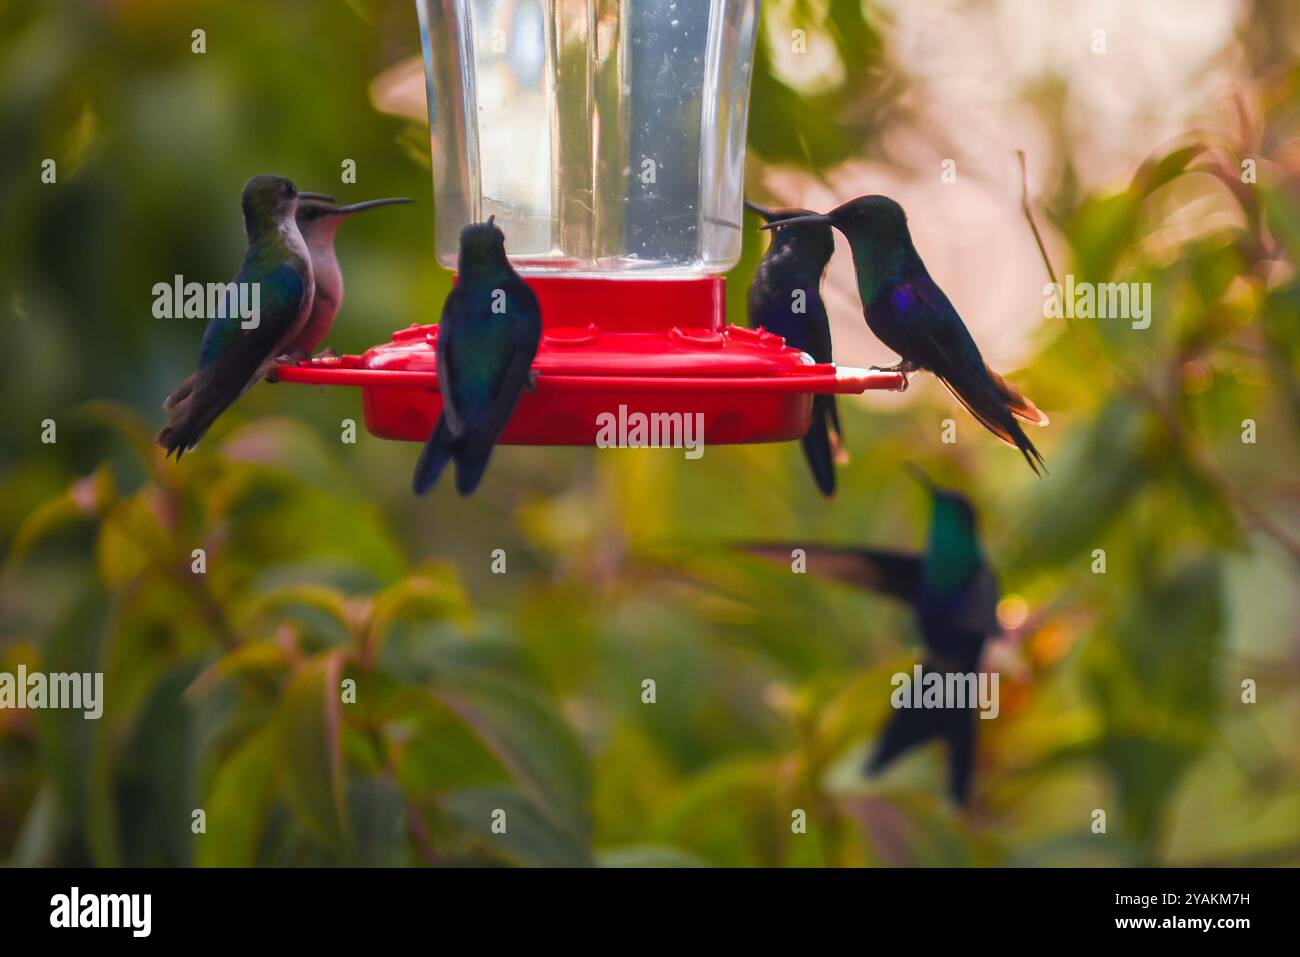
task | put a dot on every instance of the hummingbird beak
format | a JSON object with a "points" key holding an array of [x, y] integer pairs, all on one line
{"points": [[795, 221], [320, 196], [914, 470], [370, 204]]}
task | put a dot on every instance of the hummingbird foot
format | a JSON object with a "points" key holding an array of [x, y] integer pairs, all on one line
{"points": [[901, 368], [288, 358], [326, 353], [531, 384]]}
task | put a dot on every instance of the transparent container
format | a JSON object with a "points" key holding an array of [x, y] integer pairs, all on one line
{"points": [[607, 137]]}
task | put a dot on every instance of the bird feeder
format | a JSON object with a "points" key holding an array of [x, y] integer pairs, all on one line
{"points": [[608, 141]]}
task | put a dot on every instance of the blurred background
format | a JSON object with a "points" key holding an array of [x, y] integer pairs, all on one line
{"points": [[522, 691]]}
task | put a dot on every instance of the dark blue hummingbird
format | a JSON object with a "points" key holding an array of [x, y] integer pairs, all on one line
{"points": [[953, 593], [232, 358], [908, 312], [785, 298], [487, 338]]}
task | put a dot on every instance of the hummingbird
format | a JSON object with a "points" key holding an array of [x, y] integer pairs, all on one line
{"points": [[233, 358], [785, 299], [953, 594], [319, 218], [907, 311], [487, 338]]}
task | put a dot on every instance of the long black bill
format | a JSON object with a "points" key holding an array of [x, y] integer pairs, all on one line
{"points": [[797, 220], [371, 204]]}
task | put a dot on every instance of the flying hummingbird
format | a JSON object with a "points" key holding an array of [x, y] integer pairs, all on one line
{"points": [[953, 593], [319, 218], [487, 338], [908, 312], [785, 299], [232, 358]]}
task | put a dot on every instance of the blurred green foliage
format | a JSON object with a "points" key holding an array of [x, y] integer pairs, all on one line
{"points": [[232, 691]]}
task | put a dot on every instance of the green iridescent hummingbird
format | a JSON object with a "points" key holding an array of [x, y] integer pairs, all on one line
{"points": [[953, 593], [234, 355], [907, 311]]}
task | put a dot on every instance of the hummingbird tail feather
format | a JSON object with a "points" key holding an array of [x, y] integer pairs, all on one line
{"points": [[999, 420], [437, 452], [909, 728], [817, 447], [1019, 404], [471, 462], [193, 407], [181, 392]]}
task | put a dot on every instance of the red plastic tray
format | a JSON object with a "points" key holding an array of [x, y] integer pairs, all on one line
{"points": [[649, 345]]}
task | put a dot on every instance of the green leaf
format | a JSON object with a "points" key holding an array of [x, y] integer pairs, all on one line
{"points": [[532, 741], [378, 812], [648, 855], [243, 793], [531, 836], [84, 499], [307, 723], [434, 749]]}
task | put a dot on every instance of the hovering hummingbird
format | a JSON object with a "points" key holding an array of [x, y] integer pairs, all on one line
{"points": [[487, 338], [953, 594], [232, 358], [908, 312], [319, 218], [785, 299]]}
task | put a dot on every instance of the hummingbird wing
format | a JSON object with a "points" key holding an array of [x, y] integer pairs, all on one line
{"points": [[896, 574], [527, 332], [451, 305], [945, 346], [232, 358], [484, 358]]}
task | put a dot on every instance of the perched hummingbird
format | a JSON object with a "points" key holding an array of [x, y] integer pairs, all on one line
{"points": [[319, 218], [785, 299], [908, 312], [232, 358], [487, 338], [953, 593]]}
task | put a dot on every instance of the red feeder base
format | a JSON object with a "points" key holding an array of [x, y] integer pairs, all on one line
{"points": [[618, 346]]}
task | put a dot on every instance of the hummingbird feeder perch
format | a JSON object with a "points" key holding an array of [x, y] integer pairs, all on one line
{"points": [[608, 141]]}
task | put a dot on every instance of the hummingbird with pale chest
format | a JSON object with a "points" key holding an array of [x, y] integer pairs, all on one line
{"points": [[232, 356], [488, 336], [319, 218], [785, 298], [953, 594], [907, 311]]}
